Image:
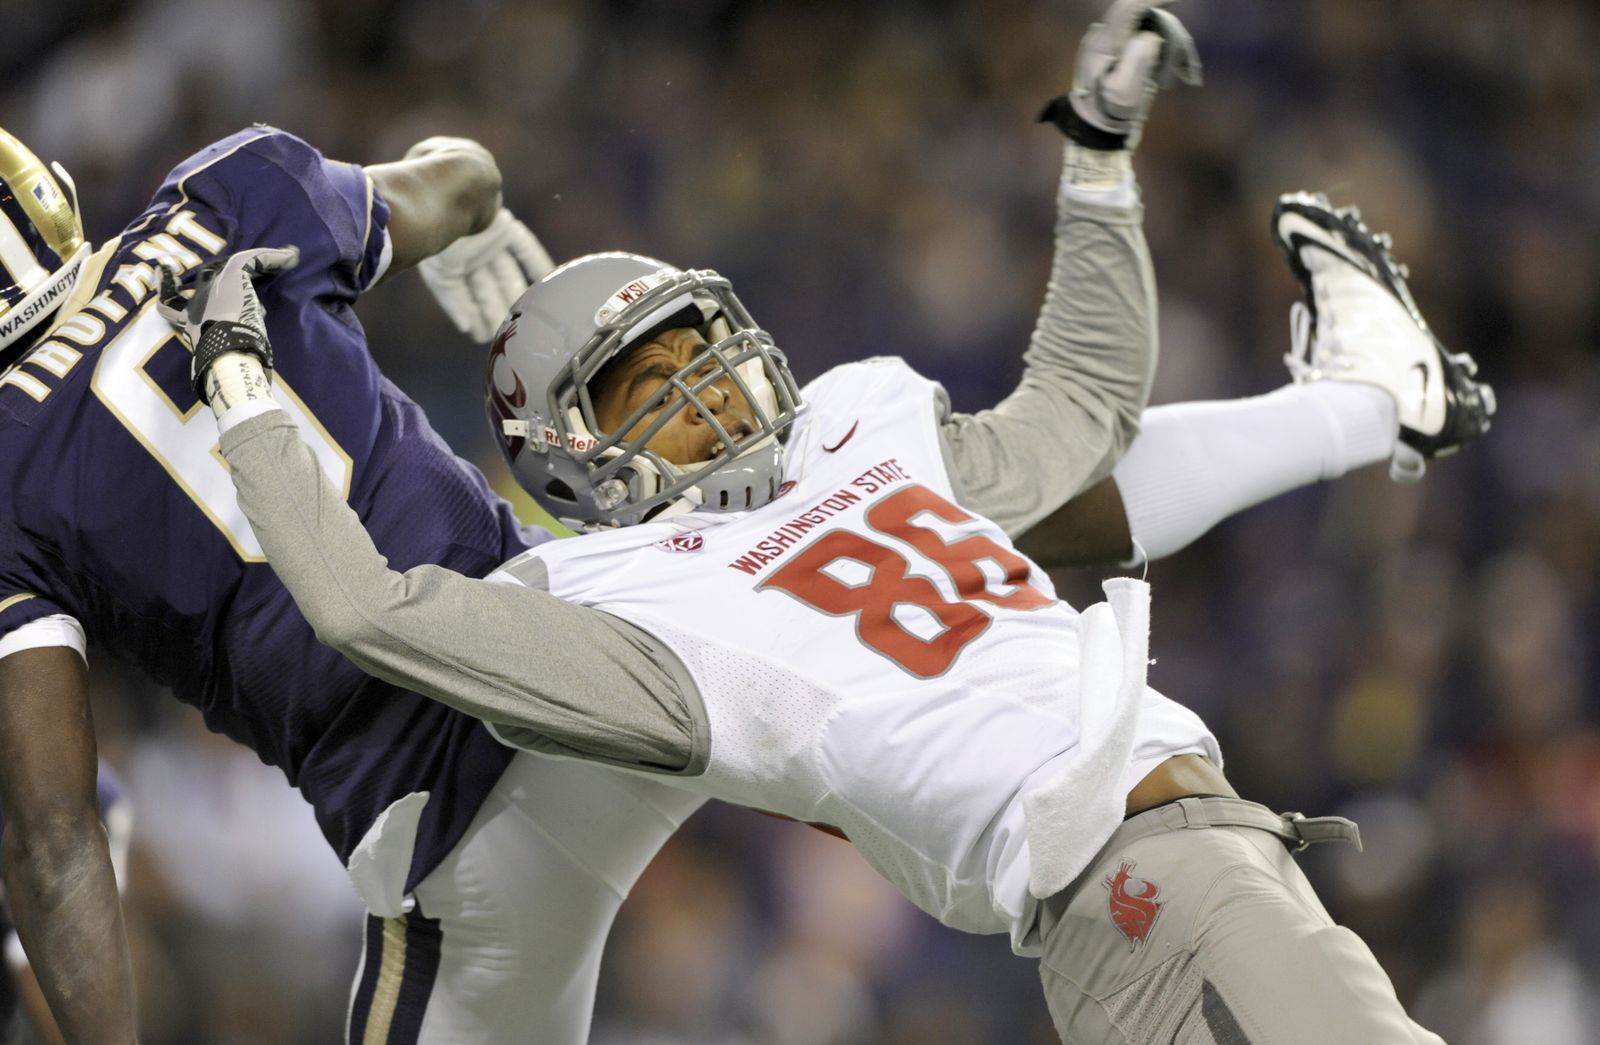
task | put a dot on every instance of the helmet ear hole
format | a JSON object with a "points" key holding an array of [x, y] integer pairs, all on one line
{"points": [[560, 491]]}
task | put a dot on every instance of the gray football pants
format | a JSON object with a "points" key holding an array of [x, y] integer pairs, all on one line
{"points": [[1192, 931]]}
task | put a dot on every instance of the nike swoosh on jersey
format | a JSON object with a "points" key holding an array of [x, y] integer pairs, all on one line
{"points": [[846, 439]]}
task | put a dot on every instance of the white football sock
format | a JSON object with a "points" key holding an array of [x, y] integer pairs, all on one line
{"points": [[1195, 464]]}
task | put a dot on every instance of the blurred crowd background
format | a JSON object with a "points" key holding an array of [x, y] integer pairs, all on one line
{"points": [[1423, 659]]}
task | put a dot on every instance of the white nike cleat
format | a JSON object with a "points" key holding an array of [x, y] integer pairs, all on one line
{"points": [[1359, 323]]}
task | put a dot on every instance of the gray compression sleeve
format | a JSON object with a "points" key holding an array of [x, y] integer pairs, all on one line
{"points": [[508, 654], [1087, 375]]}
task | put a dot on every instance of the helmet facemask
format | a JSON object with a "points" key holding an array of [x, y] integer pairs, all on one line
{"points": [[631, 482]]}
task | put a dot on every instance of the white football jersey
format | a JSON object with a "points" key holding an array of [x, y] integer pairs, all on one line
{"points": [[874, 657]]}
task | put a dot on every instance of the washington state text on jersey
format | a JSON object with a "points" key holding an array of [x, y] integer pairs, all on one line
{"points": [[880, 476]]}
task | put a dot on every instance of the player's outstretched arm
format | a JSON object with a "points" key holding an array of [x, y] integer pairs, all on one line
{"points": [[116, 814], [445, 215], [58, 871], [444, 189], [1093, 351], [507, 653]]}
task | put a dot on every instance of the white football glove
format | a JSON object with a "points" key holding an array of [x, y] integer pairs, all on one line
{"points": [[477, 278], [1135, 50]]}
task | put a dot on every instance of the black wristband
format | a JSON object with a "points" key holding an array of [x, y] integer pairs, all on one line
{"points": [[218, 338], [1060, 112]]}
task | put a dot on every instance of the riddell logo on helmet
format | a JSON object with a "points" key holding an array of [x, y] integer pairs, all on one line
{"points": [[579, 443]]}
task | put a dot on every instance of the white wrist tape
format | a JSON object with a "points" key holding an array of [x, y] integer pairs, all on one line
{"points": [[1087, 167], [236, 378], [1099, 177]]}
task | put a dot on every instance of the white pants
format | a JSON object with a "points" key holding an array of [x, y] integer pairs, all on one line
{"points": [[504, 942]]}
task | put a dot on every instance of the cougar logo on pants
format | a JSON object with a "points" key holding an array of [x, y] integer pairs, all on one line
{"points": [[1133, 904]]}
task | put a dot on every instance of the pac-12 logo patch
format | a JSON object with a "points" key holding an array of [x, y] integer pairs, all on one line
{"points": [[1133, 904], [683, 541]]}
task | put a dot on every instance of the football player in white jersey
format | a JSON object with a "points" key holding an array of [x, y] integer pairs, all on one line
{"points": [[821, 589]]}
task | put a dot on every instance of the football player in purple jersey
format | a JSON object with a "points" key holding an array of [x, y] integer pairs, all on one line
{"points": [[118, 527]]}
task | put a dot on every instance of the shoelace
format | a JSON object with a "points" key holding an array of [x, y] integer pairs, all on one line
{"points": [[1312, 353]]}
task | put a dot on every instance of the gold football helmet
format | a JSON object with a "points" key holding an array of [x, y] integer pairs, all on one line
{"points": [[42, 247]]}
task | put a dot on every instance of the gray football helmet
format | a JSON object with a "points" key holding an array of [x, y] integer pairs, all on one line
{"points": [[585, 314]]}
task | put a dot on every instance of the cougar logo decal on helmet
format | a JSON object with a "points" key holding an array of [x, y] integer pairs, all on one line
{"points": [[507, 394], [42, 247], [589, 312]]}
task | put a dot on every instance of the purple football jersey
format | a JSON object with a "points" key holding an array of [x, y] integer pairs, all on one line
{"points": [[116, 508]]}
